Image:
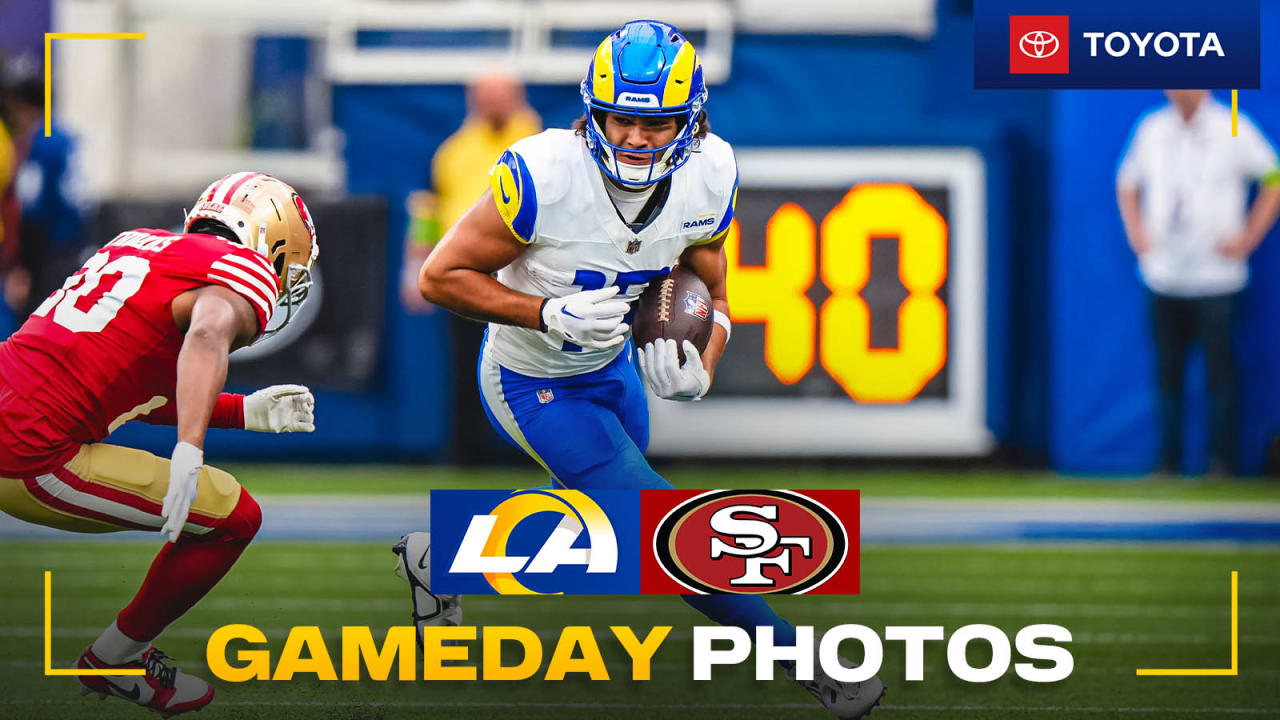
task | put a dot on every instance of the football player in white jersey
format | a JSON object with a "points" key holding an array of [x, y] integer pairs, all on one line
{"points": [[576, 223]]}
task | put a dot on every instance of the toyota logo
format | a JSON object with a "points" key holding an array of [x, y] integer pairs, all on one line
{"points": [[1039, 44]]}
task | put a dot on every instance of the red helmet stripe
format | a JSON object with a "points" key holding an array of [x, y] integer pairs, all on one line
{"points": [[218, 184], [236, 186], [213, 189]]}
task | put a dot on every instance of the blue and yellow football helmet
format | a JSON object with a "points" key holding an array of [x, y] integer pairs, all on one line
{"points": [[645, 68]]}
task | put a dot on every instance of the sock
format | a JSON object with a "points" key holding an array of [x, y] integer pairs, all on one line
{"points": [[183, 572], [115, 648], [744, 611]]}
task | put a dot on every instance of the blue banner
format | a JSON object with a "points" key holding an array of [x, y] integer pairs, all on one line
{"points": [[1103, 44], [535, 542]]}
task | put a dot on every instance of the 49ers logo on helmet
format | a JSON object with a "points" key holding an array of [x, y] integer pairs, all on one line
{"points": [[306, 215], [757, 541]]}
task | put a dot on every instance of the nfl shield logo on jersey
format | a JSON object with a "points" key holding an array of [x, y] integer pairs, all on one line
{"points": [[545, 396], [696, 305], [633, 247]]}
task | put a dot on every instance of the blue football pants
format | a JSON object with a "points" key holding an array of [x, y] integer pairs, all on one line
{"points": [[590, 432]]}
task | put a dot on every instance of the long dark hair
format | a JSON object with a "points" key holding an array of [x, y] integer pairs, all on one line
{"points": [[579, 125]]}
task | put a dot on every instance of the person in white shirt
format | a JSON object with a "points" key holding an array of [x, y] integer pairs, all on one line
{"points": [[1183, 188]]}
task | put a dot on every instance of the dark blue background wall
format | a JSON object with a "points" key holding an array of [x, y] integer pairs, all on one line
{"points": [[1103, 417]]}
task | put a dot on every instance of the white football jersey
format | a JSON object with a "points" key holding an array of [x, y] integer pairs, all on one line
{"points": [[551, 194]]}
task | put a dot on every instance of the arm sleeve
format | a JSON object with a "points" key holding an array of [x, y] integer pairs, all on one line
{"points": [[248, 274], [1257, 155], [515, 195], [228, 413]]}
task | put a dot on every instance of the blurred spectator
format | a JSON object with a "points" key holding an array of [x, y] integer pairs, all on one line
{"points": [[13, 278], [1183, 189], [53, 194], [497, 116]]}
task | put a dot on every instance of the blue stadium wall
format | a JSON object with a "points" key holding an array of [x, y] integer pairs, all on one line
{"points": [[1103, 399]]}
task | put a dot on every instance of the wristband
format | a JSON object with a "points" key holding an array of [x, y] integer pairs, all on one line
{"points": [[228, 412], [723, 321], [542, 319]]}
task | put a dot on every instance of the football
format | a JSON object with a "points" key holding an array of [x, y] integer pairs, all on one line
{"points": [[677, 307]]}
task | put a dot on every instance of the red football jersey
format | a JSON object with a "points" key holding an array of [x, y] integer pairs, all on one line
{"points": [[104, 349]]}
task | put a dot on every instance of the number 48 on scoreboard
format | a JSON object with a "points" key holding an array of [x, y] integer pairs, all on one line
{"points": [[856, 284], [838, 331]]}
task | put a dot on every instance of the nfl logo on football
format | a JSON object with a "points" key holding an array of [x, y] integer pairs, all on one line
{"points": [[696, 305]]}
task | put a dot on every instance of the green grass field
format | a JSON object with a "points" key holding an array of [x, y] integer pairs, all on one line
{"points": [[1128, 606]]}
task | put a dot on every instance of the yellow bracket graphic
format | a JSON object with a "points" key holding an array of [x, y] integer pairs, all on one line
{"points": [[48, 63], [1235, 112], [1235, 640], [48, 641]]}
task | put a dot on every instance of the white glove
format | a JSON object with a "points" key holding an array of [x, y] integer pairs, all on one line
{"points": [[588, 318], [184, 474], [667, 378], [280, 409]]}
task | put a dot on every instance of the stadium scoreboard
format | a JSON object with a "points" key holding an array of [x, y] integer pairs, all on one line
{"points": [[857, 293]]}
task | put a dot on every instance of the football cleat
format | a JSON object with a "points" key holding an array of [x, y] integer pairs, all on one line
{"points": [[167, 690], [845, 700], [414, 566]]}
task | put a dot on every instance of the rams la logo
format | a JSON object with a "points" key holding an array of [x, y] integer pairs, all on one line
{"points": [[484, 546], [752, 541]]}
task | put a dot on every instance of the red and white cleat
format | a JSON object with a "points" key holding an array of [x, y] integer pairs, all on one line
{"points": [[167, 690]]}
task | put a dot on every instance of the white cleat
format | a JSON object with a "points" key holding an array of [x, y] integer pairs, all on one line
{"points": [[167, 690], [414, 566], [845, 700]]}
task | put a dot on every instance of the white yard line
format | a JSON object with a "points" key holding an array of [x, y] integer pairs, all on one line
{"points": [[623, 606], [705, 706]]}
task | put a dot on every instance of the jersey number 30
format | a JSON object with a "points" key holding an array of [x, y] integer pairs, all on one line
{"points": [[90, 299]]}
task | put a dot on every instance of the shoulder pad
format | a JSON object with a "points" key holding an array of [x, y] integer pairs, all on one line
{"points": [[721, 176], [533, 171], [515, 195], [548, 156], [721, 167]]}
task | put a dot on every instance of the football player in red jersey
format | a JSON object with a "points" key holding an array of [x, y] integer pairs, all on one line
{"points": [[143, 331]]}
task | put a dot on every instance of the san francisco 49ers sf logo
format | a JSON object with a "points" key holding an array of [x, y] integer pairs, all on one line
{"points": [[750, 541]]}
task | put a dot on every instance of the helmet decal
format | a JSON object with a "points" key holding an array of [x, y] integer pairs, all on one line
{"points": [[602, 70], [306, 216]]}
